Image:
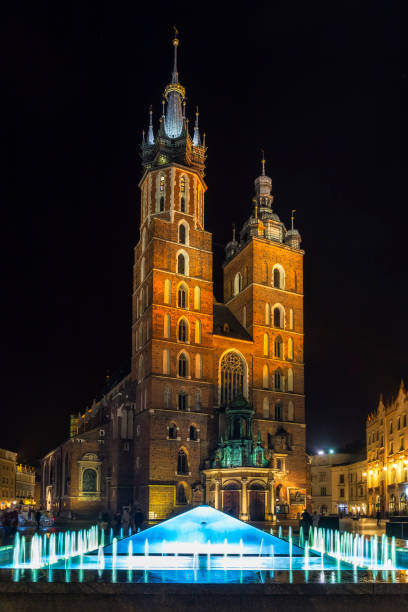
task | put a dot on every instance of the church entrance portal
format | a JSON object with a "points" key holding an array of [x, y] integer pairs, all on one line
{"points": [[231, 497], [257, 503]]}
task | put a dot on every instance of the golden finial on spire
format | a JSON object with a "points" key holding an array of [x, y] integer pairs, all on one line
{"points": [[176, 35], [292, 218], [263, 162]]}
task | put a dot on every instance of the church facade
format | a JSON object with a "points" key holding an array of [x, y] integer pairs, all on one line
{"points": [[213, 408]]}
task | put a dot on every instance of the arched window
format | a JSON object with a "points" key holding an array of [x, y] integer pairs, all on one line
{"points": [[267, 314], [182, 184], [182, 462], [266, 345], [278, 348], [291, 411], [278, 277], [142, 270], [181, 401], [183, 366], [290, 348], [278, 380], [167, 291], [278, 412], [182, 334], [197, 399], [193, 435], [244, 317], [182, 233], [182, 297], [162, 183], [237, 283], [181, 493], [290, 379], [166, 329], [89, 481], [172, 431], [198, 365], [167, 397], [197, 338], [278, 317], [265, 268], [265, 408], [141, 335], [291, 321], [232, 377], [183, 204], [265, 377], [161, 204], [141, 373], [181, 264], [166, 362], [144, 238], [197, 298]]}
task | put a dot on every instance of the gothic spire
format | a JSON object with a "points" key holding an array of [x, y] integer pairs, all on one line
{"points": [[150, 135], [174, 94], [196, 137]]}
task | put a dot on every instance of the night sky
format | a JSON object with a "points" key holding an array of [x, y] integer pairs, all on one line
{"points": [[321, 87]]}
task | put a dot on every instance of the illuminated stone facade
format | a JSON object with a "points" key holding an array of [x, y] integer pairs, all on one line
{"points": [[200, 367], [387, 456], [7, 477]]}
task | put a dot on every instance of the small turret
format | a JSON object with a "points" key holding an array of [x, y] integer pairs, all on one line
{"points": [[293, 238]]}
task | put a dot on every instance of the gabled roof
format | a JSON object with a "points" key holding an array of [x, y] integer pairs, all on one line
{"points": [[224, 317]]}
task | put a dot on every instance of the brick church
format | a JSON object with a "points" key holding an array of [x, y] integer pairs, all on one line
{"points": [[213, 408]]}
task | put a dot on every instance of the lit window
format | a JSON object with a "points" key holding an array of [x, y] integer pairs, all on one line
{"points": [[162, 183], [237, 283], [182, 184]]}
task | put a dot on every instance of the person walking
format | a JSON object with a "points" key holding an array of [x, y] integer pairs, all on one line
{"points": [[125, 521], [378, 518], [37, 517], [315, 519]]}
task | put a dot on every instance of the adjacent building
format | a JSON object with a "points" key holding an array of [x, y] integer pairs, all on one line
{"points": [[25, 484], [339, 484], [7, 477], [387, 455], [213, 406]]}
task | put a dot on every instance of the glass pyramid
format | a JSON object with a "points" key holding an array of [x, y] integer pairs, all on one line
{"points": [[202, 530]]}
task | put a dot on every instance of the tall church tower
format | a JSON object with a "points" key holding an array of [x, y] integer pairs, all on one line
{"points": [[172, 310]]}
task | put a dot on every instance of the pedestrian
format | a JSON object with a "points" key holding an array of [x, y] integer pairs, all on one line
{"points": [[378, 518], [306, 521], [37, 518], [125, 521], [315, 519], [139, 518]]}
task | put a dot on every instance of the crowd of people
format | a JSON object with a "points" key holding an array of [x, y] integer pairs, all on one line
{"points": [[131, 517]]}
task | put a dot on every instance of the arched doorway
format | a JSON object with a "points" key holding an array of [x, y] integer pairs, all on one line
{"points": [[257, 502], [230, 498]]}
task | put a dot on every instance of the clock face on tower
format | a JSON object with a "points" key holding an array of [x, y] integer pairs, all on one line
{"points": [[162, 159]]}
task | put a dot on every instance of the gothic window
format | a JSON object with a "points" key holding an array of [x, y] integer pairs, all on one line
{"points": [[390, 427], [142, 270], [172, 431], [244, 317], [197, 338], [183, 331], [144, 237], [290, 348], [265, 408], [277, 380], [267, 314], [291, 323], [89, 481], [182, 463], [183, 204], [182, 366], [265, 377], [166, 327], [290, 379], [141, 373], [193, 433], [161, 204], [167, 397], [198, 365], [166, 362], [266, 345], [182, 297], [237, 283], [167, 291], [182, 233], [197, 298], [278, 412], [162, 183], [181, 264], [277, 317], [291, 411], [181, 494], [232, 377], [182, 401], [278, 277], [182, 184], [198, 398], [278, 348]]}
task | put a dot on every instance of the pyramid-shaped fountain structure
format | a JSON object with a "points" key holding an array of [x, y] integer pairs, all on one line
{"points": [[199, 529]]}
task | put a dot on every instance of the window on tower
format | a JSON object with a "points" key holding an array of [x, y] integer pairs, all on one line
{"points": [[182, 366], [182, 234], [278, 317], [162, 183], [181, 494], [182, 184], [182, 297], [181, 264], [232, 377], [182, 462], [183, 204], [172, 431], [278, 348], [182, 401], [237, 283], [161, 204], [277, 380], [278, 412], [183, 331], [193, 433]]}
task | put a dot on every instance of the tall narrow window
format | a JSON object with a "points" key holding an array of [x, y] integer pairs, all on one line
{"points": [[198, 365], [183, 331], [290, 348], [162, 183], [278, 412], [172, 431], [182, 184], [197, 338], [181, 264], [276, 278], [183, 204], [166, 362], [182, 366], [142, 270], [182, 463], [290, 379], [278, 381], [244, 317], [266, 345], [197, 399], [166, 326], [291, 411], [182, 401], [167, 291], [193, 433], [237, 283], [278, 348], [144, 239], [277, 317], [197, 298], [167, 397], [161, 204], [265, 377], [181, 494], [182, 234], [267, 314], [265, 408], [232, 377], [182, 297], [141, 373], [291, 320]]}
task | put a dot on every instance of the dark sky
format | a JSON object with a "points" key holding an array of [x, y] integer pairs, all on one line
{"points": [[321, 87]]}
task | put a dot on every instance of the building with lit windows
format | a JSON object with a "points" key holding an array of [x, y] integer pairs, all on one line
{"points": [[7, 477], [25, 484], [213, 407], [387, 455]]}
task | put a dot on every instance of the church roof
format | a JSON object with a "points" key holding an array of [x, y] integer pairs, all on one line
{"points": [[226, 324]]}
